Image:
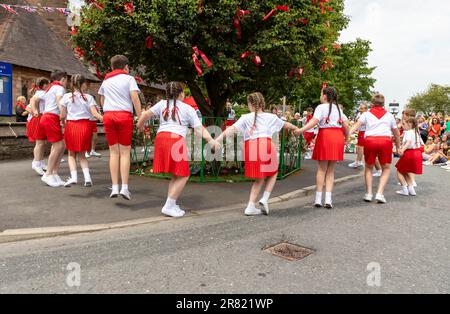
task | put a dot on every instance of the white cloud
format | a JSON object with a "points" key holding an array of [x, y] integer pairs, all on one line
{"points": [[410, 42]]}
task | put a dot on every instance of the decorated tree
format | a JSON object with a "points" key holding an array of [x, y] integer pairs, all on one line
{"points": [[224, 48]]}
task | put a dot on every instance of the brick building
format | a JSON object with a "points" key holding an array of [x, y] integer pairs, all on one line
{"points": [[33, 45]]}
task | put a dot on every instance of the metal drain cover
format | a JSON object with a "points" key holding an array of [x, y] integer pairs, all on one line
{"points": [[289, 251]]}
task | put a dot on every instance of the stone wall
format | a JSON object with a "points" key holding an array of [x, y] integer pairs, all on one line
{"points": [[14, 143]]}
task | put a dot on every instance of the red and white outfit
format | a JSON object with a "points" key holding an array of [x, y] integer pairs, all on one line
{"points": [[34, 131], [309, 135], [171, 153], [118, 107], [361, 133], [261, 160], [50, 124], [411, 161], [378, 137], [330, 141], [78, 131]]}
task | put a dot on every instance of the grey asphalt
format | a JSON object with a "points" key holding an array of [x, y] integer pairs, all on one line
{"points": [[29, 203], [222, 253]]}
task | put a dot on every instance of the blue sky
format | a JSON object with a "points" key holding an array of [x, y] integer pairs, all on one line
{"points": [[410, 42]]}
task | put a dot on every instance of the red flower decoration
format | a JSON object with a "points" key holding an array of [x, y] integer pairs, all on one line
{"points": [[129, 8]]}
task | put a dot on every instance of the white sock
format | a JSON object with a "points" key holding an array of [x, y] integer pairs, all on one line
{"points": [[265, 197], [328, 198], [124, 187], [115, 188], [74, 175], [318, 197], [251, 205], [87, 175], [42, 162], [35, 164], [405, 189], [170, 203]]}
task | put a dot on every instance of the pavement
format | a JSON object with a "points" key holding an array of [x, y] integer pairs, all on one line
{"points": [[29, 203], [407, 239]]}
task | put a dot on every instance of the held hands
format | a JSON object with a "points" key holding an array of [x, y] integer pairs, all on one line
{"points": [[298, 132]]}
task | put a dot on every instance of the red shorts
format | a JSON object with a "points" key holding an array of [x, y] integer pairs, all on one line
{"points": [[410, 162], [378, 147], [309, 137], [361, 138], [171, 155], [261, 160], [77, 135], [50, 126], [118, 127], [94, 126], [329, 145], [33, 130]]}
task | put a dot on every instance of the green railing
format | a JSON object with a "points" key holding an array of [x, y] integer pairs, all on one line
{"points": [[289, 150]]}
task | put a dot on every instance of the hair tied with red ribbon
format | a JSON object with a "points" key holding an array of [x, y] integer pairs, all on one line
{"points": [[198, 52]]}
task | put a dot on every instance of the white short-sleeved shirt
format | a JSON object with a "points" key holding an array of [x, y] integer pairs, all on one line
{"points": [[321, 114], [378, 127], [186, 117], [413, 137], [363, 127], [77, 107], [267, 124], [117, 92], [51, 105], [40, 95]]}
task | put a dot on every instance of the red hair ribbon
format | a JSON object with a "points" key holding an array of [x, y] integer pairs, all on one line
{"points": [[149, 42], [256, 59], [284, 8], [240, 14], [129, 8], [198, 52]]}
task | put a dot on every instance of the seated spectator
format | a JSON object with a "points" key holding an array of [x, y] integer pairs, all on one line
{"points": [[435, 128], [21, 109], [436, 153]]}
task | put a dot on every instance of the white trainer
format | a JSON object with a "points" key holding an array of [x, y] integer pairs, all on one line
{"points": [[265, 207], [87, 155], [125, 194], [412, 191], [88, 184], [50, 181], [354, 164], [377, 174], [401, 192], [114, 194], [252, 211], [70, 182], [43, 166], [59, 180], [414, 184], [368, 198], [380, 199], [173, 212], [39, 170], [95, 154]]}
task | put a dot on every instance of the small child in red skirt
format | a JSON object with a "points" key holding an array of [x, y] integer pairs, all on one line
{"points": [[410, 163], [261, 160], [171, 152], [81, 108]]}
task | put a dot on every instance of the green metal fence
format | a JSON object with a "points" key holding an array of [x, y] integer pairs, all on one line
{"points": [[289, 150]]}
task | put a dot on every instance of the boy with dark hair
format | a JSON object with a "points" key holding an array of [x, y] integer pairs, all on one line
{"points": [[119, 93]]}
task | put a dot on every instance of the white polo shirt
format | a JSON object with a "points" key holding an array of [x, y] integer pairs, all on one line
{"points": [[117, 92], [363, 127], [51, 105], [78, 108], [321, 114], [378, 127], [414, 138], [267, 124], [185, 117], [40, 95]]}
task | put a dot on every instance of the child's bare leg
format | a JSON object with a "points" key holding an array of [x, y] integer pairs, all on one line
{"points": [[114, 166], [256, 189]]}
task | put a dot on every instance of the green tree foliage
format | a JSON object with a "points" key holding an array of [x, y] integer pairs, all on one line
{"points": [[303, 37], [435, 99]]}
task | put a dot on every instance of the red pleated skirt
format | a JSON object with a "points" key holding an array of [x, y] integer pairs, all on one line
{"points": [[309, 137], [329, 145], [33, 133], [261, 160], [77, 135], [410, 162], [171, 155], [361, 138]]}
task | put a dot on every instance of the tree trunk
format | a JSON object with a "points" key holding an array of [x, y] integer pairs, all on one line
{"points": [[217, 94], [199, 98]]}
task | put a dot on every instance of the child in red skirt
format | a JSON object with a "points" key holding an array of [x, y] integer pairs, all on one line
{"points": [[171, 153], [410, 163], [119, 93], [261, 161], [34, 132], [330, 142], [310, 134], [80, 108]]}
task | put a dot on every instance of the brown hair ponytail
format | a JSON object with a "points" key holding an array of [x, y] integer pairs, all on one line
{"points": [[173, 91], [257, 101], [76, 82], [332, 97]]}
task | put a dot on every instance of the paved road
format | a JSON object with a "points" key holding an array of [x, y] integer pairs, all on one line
{"points": [[222, 253]]}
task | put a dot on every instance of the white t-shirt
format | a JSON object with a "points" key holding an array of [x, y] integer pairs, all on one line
{"points": [[186, 117], [413, 137], [40, 95], [305, 121], [51, 105], [378, 127], [267, 124], [117, 92], [363, 127], [321, 114], [77, 107]]}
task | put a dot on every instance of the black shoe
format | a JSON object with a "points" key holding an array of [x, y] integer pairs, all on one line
{"points": [[328, 206], [316, 205]]}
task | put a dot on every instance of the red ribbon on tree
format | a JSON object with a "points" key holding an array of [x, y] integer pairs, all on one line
{"points": [[240, 14], [96, 4], [129, 8], [256, 59], [79, 52], [149, 42], [337, 46], [198, 52], [73, 31], [274, 11], [295, 71], [324, 85]]}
